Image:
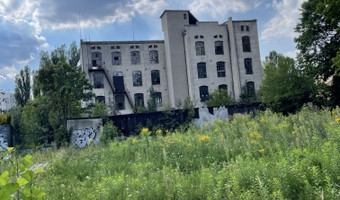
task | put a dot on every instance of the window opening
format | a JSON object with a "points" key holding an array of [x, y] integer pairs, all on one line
{"points": [[248, 65], [201, 70], [137, 78], [220, 69], [219, 48], [204, 93], [199, 48], [155, 78], [246, 43]]}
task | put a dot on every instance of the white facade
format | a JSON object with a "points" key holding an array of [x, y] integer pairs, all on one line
{"points": [[194, 59]]}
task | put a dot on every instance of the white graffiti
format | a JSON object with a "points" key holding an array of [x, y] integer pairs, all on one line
{"points": [[3, 141], [83, 137], [205, 116]]}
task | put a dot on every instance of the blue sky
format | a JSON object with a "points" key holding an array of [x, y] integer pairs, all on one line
{"points": [[30, 26]]}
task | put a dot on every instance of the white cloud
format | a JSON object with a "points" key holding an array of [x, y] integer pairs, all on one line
{"points": [[283, 24], [220, 8], [291, 54]]}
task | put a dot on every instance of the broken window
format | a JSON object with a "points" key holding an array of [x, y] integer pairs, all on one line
{"points": [[158, 97], [118, 81], [219, 48], [222, 87], [251, 87], [155, 79], [246, 43], [100, 99], [199, 48], [96, 59], [98, 80], [116, 58], [137, 78], [135, 57], [204, 93], [153, 57], [201, 70], [139, 99], [120, 101], [248, 65], [220, 66]]}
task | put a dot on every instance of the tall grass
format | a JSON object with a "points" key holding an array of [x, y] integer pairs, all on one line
{"points": [[268, 156]]}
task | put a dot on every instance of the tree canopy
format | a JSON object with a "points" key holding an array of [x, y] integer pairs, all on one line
{"points": [[319, 42], [285, 88], [22, 90]]}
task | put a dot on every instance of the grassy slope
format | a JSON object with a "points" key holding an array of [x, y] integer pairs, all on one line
{"points": [[266, 157]]}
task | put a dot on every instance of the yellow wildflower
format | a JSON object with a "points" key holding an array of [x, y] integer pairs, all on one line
{"points": [[261, 150], [262, 120], [253, 141], [10, 149], [159, 131], [204, 138], [293, 132], [337, 119], [207, 124], [134, 141], [144, 131], [90, 140], [259, 136], [189, 145], [215, 130], [252, 134], [167, 131], [333, 112]]}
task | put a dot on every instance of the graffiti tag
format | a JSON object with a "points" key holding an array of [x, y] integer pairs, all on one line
{"points": [[82, 137]]}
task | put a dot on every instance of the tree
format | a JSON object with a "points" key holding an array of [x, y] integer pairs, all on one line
{"points": [[100, 110], [220, 98], [23, 87], [152, 101], [64, 85], [319, 42], [248, 95], [285, 88]]}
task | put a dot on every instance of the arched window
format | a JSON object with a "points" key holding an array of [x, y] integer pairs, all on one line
{"points": [[201, 70], [199, 48], [98, 80], [222, 87], [135, 57], [96, 59], [153, 56], [139, 99], [155, 79], [251, 87], [204, 93], [120, 101], [246, 44], [219, 48], [220, 66], [137, 78], [116, 58], [100, 99], [248, 65]]}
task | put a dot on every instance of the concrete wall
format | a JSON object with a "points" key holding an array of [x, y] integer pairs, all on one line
{"points": [[208, 30], [5, 137], [83, 130], [127, 69]]}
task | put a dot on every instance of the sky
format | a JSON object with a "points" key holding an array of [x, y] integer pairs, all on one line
{"points": [[28, 27]]}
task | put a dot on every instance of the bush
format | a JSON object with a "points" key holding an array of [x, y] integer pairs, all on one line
{"points": [[110, 131]]}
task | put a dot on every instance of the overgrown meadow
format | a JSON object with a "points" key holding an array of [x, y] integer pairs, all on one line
{"points": [[268, 156]]}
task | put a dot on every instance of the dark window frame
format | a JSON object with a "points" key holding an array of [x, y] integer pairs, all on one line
{"points": [[246, 44], [220, 68], [120, 101], [155, 77], [223, 87], [153, 57], [248, 66], [98, 80], [219, 47], [137, 78], [204, 93], [200, 50], [201, 70], [139, 99]]}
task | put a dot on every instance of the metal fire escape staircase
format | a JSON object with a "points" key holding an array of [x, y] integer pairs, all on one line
{"points": [[101, 69]]}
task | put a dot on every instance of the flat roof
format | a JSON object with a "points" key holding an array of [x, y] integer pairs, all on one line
{"points": [[173, 11], [120, 42]]}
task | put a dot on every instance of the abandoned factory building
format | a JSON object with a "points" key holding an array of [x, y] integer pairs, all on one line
{"points": [[194, 59]]}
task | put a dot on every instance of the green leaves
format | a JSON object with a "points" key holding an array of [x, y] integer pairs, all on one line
{"points": [[27, 160], [21, 181], [4, 178]]}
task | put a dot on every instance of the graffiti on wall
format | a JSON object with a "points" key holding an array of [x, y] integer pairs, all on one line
{"points": [[206, 118], [3, 141], [85, 136]]}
